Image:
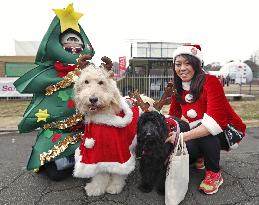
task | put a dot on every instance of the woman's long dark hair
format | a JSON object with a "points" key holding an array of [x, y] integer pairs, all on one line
{"points": [[197, 80]]}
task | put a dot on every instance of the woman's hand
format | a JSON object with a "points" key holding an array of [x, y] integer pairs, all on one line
{"points": [[171, 137]]}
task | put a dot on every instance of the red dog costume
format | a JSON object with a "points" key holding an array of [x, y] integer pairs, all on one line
{"points": [[107, 143]]}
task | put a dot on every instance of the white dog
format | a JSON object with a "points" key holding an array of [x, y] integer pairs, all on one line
{"points": [[106, 151]]}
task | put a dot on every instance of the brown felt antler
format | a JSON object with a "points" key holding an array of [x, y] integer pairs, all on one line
{"points": [[83, 61], [107, 63], [139, 102], [166, 97]]}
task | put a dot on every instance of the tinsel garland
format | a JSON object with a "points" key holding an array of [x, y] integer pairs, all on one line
{"points": [[59, 148], [68, 80], [64, 124], [69, 122]]}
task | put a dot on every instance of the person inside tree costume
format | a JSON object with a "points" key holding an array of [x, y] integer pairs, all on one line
{"points": [[52, 107]]}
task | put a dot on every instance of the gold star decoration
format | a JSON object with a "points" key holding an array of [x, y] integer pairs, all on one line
{"points": [[68, 18], [42, 115]]}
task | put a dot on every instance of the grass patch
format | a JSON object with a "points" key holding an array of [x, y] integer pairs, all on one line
{"points": [[247, 110], [11, 112], [11, 108]]}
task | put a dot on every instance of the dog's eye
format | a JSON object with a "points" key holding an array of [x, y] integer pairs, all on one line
{"points": [[86, 81], [100, 82]]}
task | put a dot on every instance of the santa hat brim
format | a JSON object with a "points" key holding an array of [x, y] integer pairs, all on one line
{"points": [[190, 50]]}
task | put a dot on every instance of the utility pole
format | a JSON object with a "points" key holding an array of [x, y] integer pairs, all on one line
{"points": [[131, 48], [133, 40]]}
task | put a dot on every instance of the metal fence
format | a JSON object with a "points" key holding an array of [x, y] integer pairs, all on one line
{"points": [[248, 89], [154, 85], [150, 85]]}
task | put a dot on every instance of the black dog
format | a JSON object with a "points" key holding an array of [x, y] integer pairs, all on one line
{"points": [[152, 150]]}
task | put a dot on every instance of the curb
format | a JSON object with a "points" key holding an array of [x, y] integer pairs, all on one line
{"points": [[8, 129]]}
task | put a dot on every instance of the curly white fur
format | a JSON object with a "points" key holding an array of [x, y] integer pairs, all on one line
{"points": [[96, 82], [98, 98]]}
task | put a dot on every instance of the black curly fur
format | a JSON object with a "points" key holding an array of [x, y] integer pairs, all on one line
{"points": [[152, 150]]}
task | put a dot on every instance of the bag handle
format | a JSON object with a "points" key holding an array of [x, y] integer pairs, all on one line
{"points": [[183, 145], [177, 132], [178, 141], [180, 145], [177, 144]]}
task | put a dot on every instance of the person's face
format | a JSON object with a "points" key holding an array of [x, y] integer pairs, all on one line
{"points": [[183, 69], [73, 45]]}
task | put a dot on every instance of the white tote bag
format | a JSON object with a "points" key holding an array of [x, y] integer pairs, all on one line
{"points": [[177, 179]]}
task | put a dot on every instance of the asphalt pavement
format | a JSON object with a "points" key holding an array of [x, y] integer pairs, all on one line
{"points": [[240, 170]]}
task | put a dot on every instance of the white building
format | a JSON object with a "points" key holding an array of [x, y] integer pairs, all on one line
{"points": [[238, 71], [26, 48]]}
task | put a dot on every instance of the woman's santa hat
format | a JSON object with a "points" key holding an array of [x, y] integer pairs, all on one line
{"points": [[193, 50]]}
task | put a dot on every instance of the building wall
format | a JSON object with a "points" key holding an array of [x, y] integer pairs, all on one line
{"points": [[14, 59], [2, 69]]}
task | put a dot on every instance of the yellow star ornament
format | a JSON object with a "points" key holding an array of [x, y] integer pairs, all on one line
{"points": [[42, 115], [68, 18]]}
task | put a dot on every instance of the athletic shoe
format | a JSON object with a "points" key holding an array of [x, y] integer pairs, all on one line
{"points": [[211, 182]]}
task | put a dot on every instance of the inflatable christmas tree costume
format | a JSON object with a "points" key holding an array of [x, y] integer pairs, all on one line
{"points": [[52, 107]]}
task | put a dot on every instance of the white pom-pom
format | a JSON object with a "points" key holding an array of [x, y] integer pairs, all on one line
{"points": [[89, 142], [191, 113]]}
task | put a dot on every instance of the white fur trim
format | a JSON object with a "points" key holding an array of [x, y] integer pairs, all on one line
{"points": [[82, 170], [114, 120], [194, 123], [186, 85], [191, 50], [89, 142], [191, 113], [212, 126]]}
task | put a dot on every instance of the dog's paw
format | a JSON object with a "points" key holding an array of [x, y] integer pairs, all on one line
{"points": [[114, 188], [94, 190], [116, 184], [145, 188]]}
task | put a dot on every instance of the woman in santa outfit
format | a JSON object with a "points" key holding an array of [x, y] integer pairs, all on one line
{"points": [[201, 100]]}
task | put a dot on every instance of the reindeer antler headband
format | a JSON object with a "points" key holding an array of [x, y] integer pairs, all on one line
{"points": [[107, 63], [139, 101], [83, 61]]}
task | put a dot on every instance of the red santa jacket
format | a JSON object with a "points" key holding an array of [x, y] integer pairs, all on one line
{"points": [[107, 144], [212, 108]]}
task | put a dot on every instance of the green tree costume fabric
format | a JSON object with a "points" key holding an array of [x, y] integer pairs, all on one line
{"points": [[44, 109]]}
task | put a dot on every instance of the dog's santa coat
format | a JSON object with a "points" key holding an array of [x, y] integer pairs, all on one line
{"points": [[108, 144]]}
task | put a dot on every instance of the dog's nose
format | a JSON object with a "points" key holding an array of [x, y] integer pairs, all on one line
{"points": [[93, 99]]}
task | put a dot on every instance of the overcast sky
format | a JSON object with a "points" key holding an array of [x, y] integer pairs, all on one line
{"points": [[226, 29]]}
